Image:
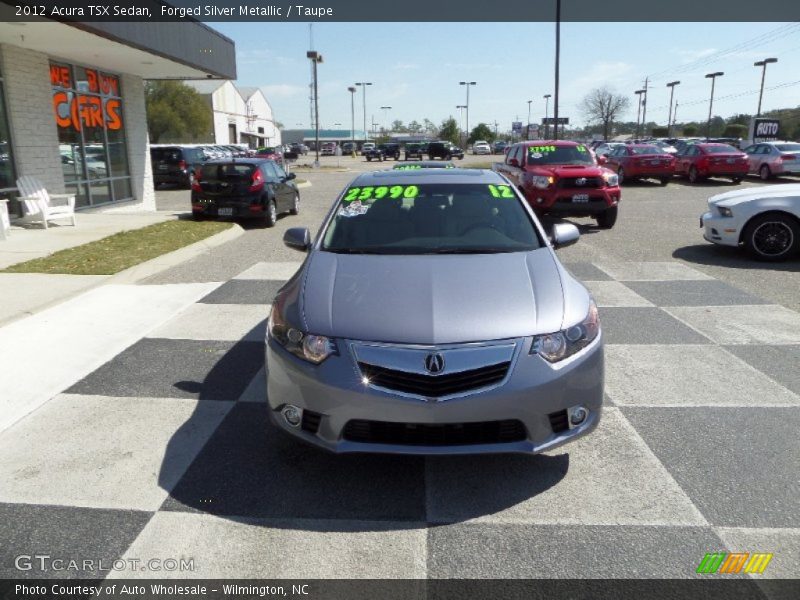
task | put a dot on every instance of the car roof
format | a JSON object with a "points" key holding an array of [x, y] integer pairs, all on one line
{"points": [[430, 164], [238, 161], [551, 143], [422, 176]]}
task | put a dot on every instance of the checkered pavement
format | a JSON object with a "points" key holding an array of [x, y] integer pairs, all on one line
{"points": [[162, 452]]}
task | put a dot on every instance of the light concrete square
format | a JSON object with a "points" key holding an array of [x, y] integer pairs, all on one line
{"points": [[257, 390], [274, 271], [644, 375], [299, 549], [652, 271], [224, 322], [769, 324], [104, 452], [614, 293], [609, 477], [784, 544]]}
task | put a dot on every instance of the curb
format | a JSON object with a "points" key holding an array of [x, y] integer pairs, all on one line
{"points": [[171, 259], [305, 184]]}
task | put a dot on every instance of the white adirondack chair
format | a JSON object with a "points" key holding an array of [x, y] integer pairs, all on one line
{"points": [[40, 206]]}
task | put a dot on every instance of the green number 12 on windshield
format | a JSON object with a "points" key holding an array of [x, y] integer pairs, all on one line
{"points": [[501, 191]]}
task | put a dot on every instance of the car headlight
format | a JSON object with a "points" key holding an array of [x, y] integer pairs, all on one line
{"points": [[310, 347], [541, 181], [557, 346], [725, 211], [612, 179]]}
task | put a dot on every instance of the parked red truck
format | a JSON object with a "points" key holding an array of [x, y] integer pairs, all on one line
{"points": [[562, 178]]}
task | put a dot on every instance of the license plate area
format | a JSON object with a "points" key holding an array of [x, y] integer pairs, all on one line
{"points": [[225, 212], [580, 198]]}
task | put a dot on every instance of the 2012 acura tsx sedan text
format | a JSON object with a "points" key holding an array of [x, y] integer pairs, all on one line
{"points": [[431, 316]]}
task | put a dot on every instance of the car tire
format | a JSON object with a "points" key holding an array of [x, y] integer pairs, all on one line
{"points": [[772, 237], [694, 176], [621, 175], [765, 173], [607, 218], [295, 210], [369, 159], [736, 180], [664, 180], [271, 214]]}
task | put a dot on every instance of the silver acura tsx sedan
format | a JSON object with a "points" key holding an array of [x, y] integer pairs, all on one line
{"points": [[431, 316]]}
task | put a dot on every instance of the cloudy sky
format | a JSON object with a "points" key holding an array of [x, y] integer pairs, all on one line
{"points": [[415, 67]]}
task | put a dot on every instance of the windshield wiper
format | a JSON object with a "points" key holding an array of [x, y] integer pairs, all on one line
{"points": [[472, 250]]}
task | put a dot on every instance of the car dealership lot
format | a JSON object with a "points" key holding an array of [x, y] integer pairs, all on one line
{"points": [[161, 450]]}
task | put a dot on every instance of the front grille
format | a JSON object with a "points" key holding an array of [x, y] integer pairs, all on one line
{"points": [[559, 421], [310, 421], [434, 386], [450, 434], [591, 182]]}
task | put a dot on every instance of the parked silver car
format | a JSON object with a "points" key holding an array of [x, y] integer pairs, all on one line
{"points": [[431, 316], [769, 159]]}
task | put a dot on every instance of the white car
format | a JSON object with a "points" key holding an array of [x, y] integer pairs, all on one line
{"points": [[765, 220], [481, 148], [366, 146]]}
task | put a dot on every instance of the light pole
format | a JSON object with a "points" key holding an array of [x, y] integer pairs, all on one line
{"points": [[364, 85], [639, 111], [671, 85], [528, 124], [546, 115], [468, 84], [460, 108], [763, 64], [558, 63], [352, 91], [386, 110], [713, 78], [316, 58]]}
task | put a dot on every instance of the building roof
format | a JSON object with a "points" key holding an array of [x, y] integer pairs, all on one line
{"points": [[248, 91]]}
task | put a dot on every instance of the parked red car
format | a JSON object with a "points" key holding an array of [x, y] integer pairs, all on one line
{"points": [[563, 178], [640, 161], [270, 153], [703, 160]]}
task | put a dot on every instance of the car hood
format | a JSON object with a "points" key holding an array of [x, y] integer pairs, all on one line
{"points": [[730, 199], [438, 299]]}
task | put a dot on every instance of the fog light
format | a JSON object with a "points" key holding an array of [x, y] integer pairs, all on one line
{"points": [[577, 415], [539, 200], [292, 415]]}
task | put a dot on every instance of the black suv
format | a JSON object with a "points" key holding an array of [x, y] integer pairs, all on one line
{"points": [[391, 150], [175, 164], [244, 188], [376, 153], [445, 150], [415, 151]]}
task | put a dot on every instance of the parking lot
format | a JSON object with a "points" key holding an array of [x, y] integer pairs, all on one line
{"points": [[161, 448]]}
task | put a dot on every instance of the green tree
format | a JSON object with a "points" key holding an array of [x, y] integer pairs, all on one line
{"points": [[414, 127], [735, 130], [480, 132], [740, 119], [398, 127], [689, 130], [449, 130], [176, 110], [659, 132]]}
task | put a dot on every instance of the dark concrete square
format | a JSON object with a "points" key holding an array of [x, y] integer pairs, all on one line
{"points": [[645, 325], [66, 533], [161, 368], [586, 271], [738, 465], [481, 551], [779, 362], [692, 293], [244, 291], [249, 468]]}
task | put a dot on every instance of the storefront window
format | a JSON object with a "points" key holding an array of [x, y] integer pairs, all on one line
{"points": [[87, 104], [7, 176]]}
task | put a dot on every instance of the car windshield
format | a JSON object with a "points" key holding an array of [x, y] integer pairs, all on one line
{"points": [[559, 155], [443, 218], [721, 149], [788, 147], [227, 172], [646, 150]]}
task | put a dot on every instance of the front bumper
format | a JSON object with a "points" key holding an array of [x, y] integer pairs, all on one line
{"points": [[720, 230], [533, 390], [562, 201]]}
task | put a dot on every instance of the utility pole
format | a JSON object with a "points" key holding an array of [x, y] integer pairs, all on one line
{"points": [[671, 85], [546, 115], [713, 78], [311, 77], [639, 111], [468, 84], [352, 91], [675, 114], [763, 64], [364, 85], [316, 58], [558, 62], [644, 106]]}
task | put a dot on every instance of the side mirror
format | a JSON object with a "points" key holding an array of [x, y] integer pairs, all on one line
{"points": [[564, 234], [513, 162], [297, 238]]}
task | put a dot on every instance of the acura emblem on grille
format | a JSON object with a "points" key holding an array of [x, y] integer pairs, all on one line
{"points": [[434, 363], [580, 181]]}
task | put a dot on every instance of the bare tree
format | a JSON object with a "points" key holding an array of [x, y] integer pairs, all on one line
{"points": [[603, 106]]}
